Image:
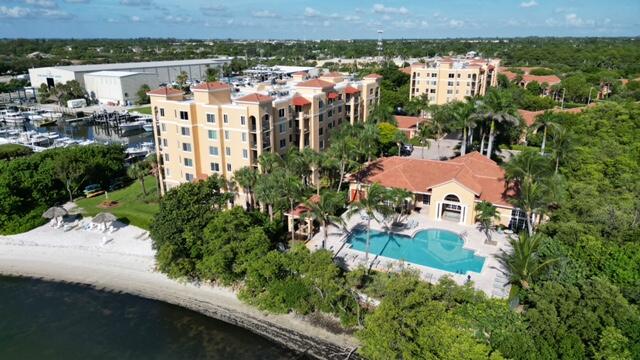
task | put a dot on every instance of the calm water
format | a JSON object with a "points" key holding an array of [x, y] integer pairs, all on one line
{"points": [[45, 320], [438, 249]]}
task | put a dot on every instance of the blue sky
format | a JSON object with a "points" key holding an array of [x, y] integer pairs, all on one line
{"points": [[327, 19]]}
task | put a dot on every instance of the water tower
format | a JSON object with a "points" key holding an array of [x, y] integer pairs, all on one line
{"points": [[380, 48]]}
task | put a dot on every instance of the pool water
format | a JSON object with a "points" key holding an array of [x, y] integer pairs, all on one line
{"points": [[440, 249]]}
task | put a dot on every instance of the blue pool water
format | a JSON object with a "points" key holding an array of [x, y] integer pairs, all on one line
{"points": [[440, 249]]}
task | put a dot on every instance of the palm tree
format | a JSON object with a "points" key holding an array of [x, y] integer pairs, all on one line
{"points": [[423, 135], [561, 145], [523, 264], [314, 160], [418, 105], [497, 106], [368, 140], [292, 189], [531, 199], [397, 200], [486, 213], [438, 123], [324, 212], [546, 120], [269, 161], [269, 191], [528, 166], [247, 177], [374, 207], [139, 171], [155, 169], [343, 148], [380, 114], [461, 116]]}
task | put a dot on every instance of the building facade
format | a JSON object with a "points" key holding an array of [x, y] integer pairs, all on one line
{"points": [[221, 129], [447, 79], [117, 87]]}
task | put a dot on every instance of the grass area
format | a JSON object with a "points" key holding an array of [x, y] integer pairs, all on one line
{"points": [[133, 207], [142, 110]]}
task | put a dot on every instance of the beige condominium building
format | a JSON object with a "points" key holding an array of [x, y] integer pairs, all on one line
{"points": [[445, 79], [221, 128]]}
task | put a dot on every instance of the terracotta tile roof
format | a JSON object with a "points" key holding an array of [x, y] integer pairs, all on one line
{"points": [[406, 70], [549, 79], [302, 208], [473, 171], [212, 85], [315, 83], [373, 76], [332, 74], [166, 91], [408, 122], [300, 101], [332, 95], [529, 117], [351, 90], [300, 73], [254, 98]]}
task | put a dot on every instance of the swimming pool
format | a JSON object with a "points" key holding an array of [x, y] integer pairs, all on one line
{"points": [[440, 249]]}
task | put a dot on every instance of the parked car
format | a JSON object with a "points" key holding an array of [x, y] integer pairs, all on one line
{"points": [[406, 149], [117, 184], [92, 189]]}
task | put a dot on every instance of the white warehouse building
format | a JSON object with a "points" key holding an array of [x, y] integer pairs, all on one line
{"points": [[165, 71], [117, 87]]}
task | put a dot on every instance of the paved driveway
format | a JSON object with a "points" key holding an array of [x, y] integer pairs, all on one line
{"points": [[443, 149]]}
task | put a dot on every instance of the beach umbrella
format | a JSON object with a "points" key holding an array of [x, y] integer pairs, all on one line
{"points": [[103, 218], [54, 212]]}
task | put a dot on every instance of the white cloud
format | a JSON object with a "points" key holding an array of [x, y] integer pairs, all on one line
{"points": [[264, 14], [15, 12], [326, 23], [410, 24], [135, 2], [178, 19], [381, 9], [135, 18], [77, 1], [528, 4], [213, 10], [576, 21], [311, 12], [453, 23], [55, 14], [49, 4], [352, 18]]}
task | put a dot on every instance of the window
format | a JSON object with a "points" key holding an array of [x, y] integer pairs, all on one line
{"points": [[211, 118], [162, 112], [339, 109], [228, 167], [321, 144], [213, 134], [244, 137], [166, 157], [434, 75], [225, 118], [283, 143], [245, 153], [281, 112], [186, 147], [163, 127], [282, 127], [321, 131], [188, 162], [166, 172], [426, 199], [330, 113], [451, 75], [185, 131], [188, 176], [449, 83], [227, 150], [165, 142], [226, 134], [449, 91], [371, 91], [320, 117], [215, 167], [432, 91], [213, 150], [320, 104], [243, 120], [184, 115]]}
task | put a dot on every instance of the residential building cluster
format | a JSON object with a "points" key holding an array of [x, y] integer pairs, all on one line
{"points": [[222, 128]]}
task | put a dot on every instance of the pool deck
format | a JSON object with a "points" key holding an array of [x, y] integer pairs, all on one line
{"points": [[490, 280]]}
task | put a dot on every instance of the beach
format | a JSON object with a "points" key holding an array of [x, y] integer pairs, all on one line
{"points": [[124, 261]]}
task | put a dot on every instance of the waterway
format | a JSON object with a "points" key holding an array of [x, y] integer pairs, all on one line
{"points": [[48, 320]]}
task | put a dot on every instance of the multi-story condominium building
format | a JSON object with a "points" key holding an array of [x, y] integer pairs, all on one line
{"points": [[220, 128], [445, 79]]}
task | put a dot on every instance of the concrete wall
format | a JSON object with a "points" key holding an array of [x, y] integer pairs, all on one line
{"points": [[117, 90], [39, 76]]}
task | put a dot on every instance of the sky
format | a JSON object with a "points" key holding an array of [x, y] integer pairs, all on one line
{"points": [[307, 20]]}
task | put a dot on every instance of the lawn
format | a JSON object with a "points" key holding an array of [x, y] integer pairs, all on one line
{"points": [[133, 207], [142, 110]]}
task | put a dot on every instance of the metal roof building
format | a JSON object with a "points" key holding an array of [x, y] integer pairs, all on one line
{"points": [[166, 71]]}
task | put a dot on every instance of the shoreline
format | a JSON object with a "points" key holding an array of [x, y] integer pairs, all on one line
{"points": [[127, 264]]}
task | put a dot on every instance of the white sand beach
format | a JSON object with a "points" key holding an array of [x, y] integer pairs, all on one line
{"points": [[126, 263]]}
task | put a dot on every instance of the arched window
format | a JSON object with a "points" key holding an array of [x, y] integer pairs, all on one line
{"points": [[452, 198]]}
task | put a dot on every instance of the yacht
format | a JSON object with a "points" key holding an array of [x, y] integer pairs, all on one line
{"points": [[134, 125], [12, 117]]}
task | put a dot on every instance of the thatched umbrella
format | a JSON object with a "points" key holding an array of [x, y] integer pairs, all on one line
{"points": [[103, 218], [54, 212]]}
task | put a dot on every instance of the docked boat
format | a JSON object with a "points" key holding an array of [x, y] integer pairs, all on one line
{"points": [[131, 126], [12, 117]]}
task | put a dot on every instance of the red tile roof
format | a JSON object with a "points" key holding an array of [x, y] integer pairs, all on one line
{"points": [[212, 85], [549, 79], [315, 83], [332, 74], [529, 117], [373, 76], [351, 90], [300, 101], [406, 70], [166, 91], [473, 171], [302, 208], [300, 73], [332, 95], [254, 98], [408, 122]]}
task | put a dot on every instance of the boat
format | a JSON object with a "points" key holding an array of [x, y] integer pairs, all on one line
{"points": [[47, 122], [51, 115], [148, 127], [131, 126], [13, 117]]}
